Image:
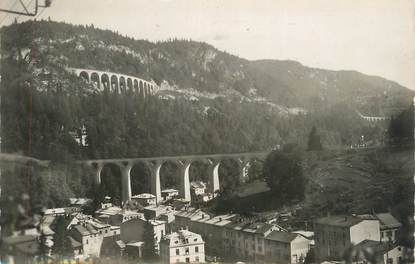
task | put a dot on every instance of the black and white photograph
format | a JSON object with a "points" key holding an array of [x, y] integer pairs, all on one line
{"points": [[207, 131]]}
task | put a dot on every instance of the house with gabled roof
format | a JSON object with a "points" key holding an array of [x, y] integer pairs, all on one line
{"points": [[335, 234]]}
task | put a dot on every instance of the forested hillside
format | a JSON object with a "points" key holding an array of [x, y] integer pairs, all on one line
{"points": [[249, 105]]}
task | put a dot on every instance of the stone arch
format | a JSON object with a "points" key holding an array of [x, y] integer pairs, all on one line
{"points": [[140, 178], [105, 82], [95, 80], [114, 83], [170, 175], [122, 84], [84, 75], [255, 168], [229, 173], [199, 171], [135, 87], [141, 88], [111, 183], [145, 89], [129, 85]]}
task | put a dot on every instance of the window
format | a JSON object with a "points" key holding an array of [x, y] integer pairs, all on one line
{"points": [[86, 242], [187, 260], [186, 251], [389, 234], [195, 239], [260, 248], [197, 259], [196, 249], [177, 251]]}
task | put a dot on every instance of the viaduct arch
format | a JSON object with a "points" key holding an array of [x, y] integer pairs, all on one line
{"points": [[116, 82], [183, 162]]}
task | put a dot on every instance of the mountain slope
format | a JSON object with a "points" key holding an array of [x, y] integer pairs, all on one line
{"points": [[222, 103], [197, 65]]}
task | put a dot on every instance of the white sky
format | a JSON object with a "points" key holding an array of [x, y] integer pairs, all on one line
{"points": [[375, 37]]}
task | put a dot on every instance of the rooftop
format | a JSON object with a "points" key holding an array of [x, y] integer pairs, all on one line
{"points": [[144, 196], [182, 237], [387, 220], [197, 184], [280, 236], [306, 234], [169, 191], [113, 210], [340, 220]]}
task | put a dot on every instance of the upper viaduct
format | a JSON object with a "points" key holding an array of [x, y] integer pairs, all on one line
{"points": [[116, 82], [372, 118], [154, 164]]}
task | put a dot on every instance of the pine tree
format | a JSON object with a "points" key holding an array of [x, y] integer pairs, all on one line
{"points": [[149, 249], [61, 243]]}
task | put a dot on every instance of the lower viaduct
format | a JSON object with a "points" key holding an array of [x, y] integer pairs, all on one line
{"points": [[154, 164], [116, 82], [184, 162]]}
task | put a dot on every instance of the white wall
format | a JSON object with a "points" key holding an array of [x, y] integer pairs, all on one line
{"points": [[365, 230]]}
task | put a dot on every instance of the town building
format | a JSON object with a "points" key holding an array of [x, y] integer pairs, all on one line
{"points": [[388, 224], [335, 234], [79, 202], [236, 238], [115, 215], [62, 211], [198, 187], [389, 227], [144, 199], [286, 247], [163, 213], [308, 235], [384, 253], [133, 230], [169, 194], [91, 234], [182, 246]]}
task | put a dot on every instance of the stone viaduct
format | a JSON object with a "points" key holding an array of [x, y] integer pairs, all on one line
{"points": [[372, 118], [116, 82], [183, 162]]}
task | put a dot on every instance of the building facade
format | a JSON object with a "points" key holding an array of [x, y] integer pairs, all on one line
{"points": [[234, 238], [182, 246], [335, 234]]}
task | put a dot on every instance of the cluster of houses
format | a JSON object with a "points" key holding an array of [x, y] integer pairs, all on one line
{"points": [[184, 234]]}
